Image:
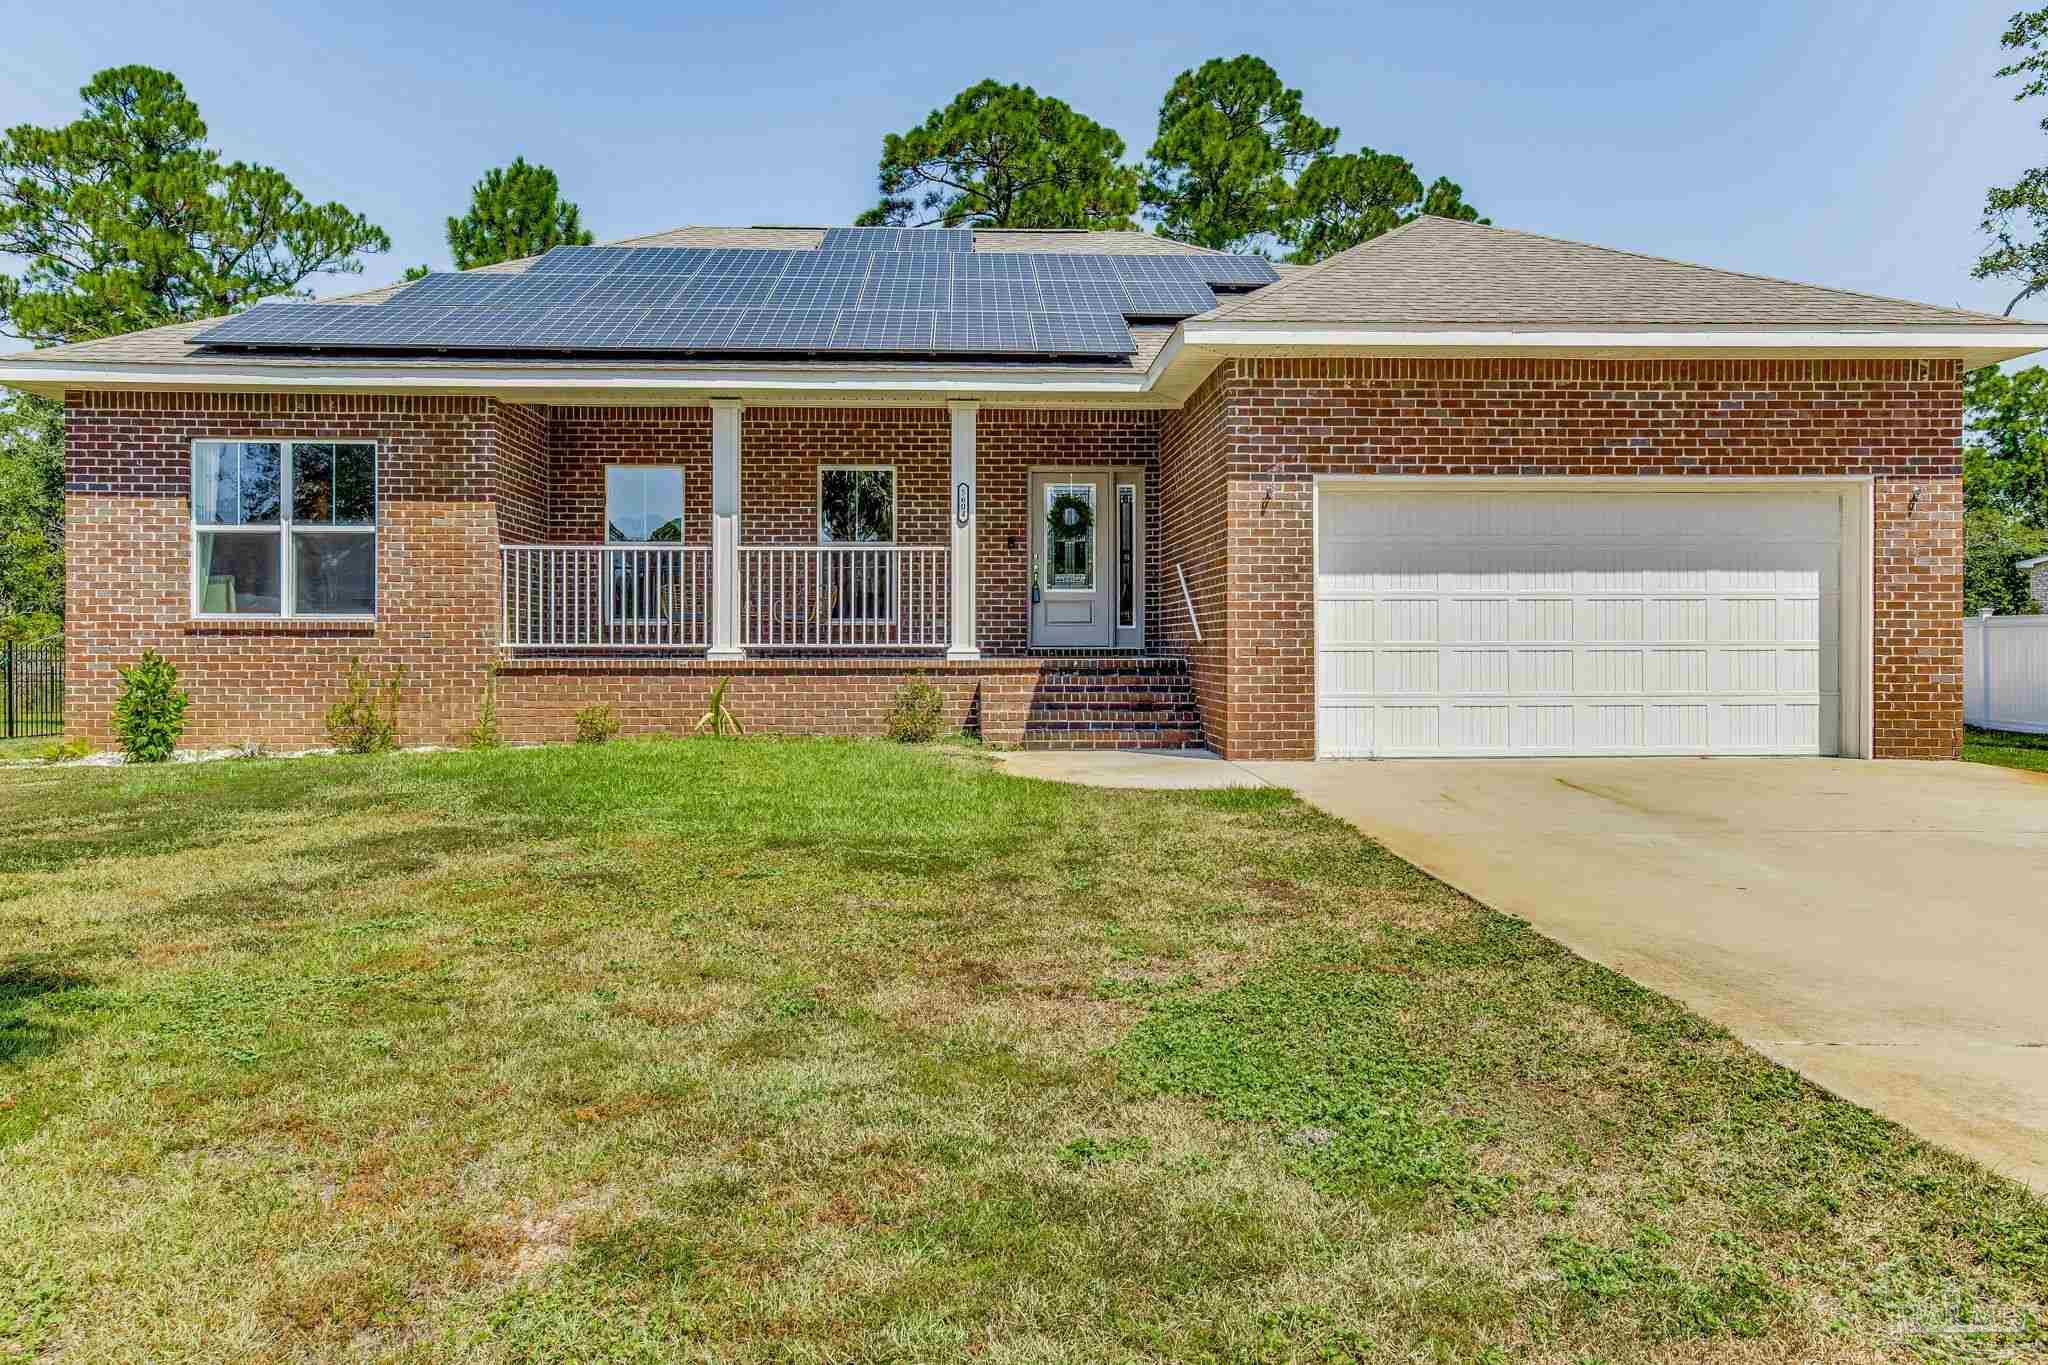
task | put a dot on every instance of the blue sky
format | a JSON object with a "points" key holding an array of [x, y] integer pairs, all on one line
{"points": [[1842, 143]]}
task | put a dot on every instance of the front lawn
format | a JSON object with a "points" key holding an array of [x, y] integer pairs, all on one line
{"points": [[809, 1051], [2006, 748]]}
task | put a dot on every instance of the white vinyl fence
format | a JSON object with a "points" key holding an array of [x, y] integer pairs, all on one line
{"points": [[2005, 672]]}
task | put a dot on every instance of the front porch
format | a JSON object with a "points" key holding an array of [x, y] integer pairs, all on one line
{"points": [[822, 558], [812, 531]]}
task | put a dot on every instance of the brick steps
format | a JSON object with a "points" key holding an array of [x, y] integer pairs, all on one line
{"points": [[1114, 704]]}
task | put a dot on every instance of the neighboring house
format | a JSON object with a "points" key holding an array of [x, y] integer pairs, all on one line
{"points": [[1459, 490], [2037, 579]]}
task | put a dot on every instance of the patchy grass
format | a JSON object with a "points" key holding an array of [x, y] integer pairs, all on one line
{"points": [[2006, 748], [781, 1051]]}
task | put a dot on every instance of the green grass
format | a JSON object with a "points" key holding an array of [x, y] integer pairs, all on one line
{"points": [[2006, 748], [807, 1051]]}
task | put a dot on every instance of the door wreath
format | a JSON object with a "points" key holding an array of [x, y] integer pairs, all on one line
{"points": [[1070, 514]]}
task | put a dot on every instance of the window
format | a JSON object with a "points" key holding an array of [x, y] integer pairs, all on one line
{"points": [[857, 507], [284, 528], [643, 505], [1126, 555]]}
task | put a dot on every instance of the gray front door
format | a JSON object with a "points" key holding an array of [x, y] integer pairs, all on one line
{"points": [[1073, 560]]}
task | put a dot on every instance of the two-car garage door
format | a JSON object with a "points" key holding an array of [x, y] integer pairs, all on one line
{"points": [[1567, 622]]}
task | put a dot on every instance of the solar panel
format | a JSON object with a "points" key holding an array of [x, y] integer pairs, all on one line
{"points": [[898, 239], [875, 290], [581, 327]]}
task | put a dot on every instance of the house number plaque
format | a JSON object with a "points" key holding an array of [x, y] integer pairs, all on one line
{"points": [[963, 498]]}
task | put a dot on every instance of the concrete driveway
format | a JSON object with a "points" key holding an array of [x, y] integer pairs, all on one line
{"points": [[1879, 927]]}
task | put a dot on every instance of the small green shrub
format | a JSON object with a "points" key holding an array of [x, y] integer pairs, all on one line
{"points": [[484, 734], [365, 720], [149, 715], [918, 713], [65, 750], [596, 724]]}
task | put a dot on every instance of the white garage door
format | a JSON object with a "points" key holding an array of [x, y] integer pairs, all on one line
{"points": [[1561, 622]]}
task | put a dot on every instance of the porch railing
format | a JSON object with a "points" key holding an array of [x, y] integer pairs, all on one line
{"points": [[844, 596], [607, 596]]}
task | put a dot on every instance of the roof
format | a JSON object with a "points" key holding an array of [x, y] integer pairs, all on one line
{"points": [[1440, 271], [2030, 563], [173, 344]]}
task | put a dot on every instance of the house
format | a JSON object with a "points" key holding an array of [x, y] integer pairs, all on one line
{"points": [[2036, 570], [1459, 490]]}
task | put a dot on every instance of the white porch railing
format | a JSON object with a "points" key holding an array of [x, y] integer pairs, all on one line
{"points": [[606, 596], [844, 596]]}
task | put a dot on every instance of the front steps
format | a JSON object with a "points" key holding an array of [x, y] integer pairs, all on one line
{"points": [[1114, 703]]}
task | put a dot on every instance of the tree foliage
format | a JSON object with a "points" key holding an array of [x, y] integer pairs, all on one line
{"points": [[1231, 136], [127, 219], [515, 211], [2005, 445], [1343, 200], [2005, 485], [2016, 215], [31, 516], [1005, 156]]}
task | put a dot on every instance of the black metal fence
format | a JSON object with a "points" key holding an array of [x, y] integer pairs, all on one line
{"points": [[32, 681]]}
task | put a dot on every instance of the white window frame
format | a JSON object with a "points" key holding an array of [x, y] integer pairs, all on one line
{"points": [[614, 563], [287, 569], [888, 612]]}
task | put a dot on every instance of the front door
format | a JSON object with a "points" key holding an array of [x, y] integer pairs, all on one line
{"points": [[1073, 559]]}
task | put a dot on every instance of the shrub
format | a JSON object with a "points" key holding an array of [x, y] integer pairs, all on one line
{"points": [[596, 724], [484, 734], [149, 715], [918, 713], [365, 720], [65, 750]]}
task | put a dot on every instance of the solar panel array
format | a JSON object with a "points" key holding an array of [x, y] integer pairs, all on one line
{"points": [[897, 239], [869, 331], [907, 300]]}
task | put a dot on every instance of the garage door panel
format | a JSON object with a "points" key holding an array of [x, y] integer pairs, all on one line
{"points": [[1563, 622]]}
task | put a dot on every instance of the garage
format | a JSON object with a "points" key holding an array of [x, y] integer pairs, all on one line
{"points": [[1525, 617]]}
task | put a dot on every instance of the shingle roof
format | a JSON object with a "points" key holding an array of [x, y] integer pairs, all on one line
{"points": [[1446, 272]]}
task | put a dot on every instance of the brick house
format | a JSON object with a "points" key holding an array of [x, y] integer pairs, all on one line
{"points": [[2036, 570], [1459, 490]]}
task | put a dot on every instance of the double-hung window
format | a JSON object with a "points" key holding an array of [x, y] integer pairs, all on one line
{"points": [[643, 505], [284, 528], [857, 509]]}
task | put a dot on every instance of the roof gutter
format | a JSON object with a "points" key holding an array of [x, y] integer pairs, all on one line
{"points": [[1981, 344]]}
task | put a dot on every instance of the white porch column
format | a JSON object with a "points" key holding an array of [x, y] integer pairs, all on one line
{"points": [[960, 634], [725, 530]]}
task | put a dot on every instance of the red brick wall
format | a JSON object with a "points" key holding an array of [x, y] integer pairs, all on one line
{"points": [[128, 480], [522, 478], [1190, 504], [586, 439], [538, 699], [1897, 420]]}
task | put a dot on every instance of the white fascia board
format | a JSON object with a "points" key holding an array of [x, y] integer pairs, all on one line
{"points": [[2030, 563], [1987, 341], [55, 376]]}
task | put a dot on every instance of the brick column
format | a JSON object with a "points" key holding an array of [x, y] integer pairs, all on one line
{"points": [[725, 530]]}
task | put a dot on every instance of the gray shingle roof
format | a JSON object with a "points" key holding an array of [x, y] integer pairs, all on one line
{"points": [[1438, 271]]}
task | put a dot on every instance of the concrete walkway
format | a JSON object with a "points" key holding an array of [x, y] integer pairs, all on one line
{"points": [[1882, 928]]}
